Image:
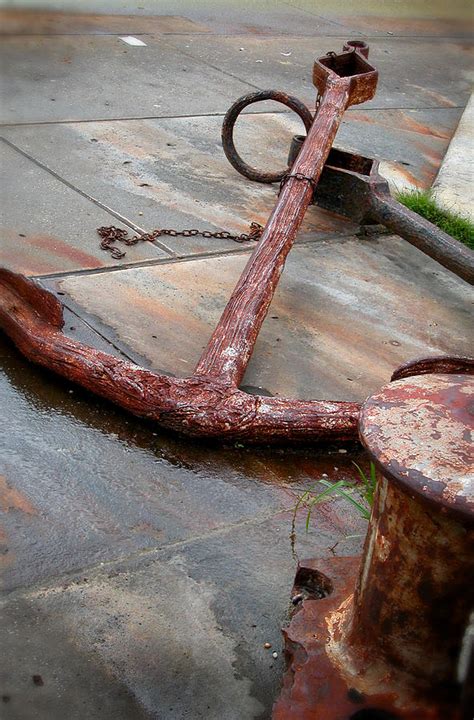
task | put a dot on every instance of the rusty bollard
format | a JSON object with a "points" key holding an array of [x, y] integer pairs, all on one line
{"points": [[384, 642]]}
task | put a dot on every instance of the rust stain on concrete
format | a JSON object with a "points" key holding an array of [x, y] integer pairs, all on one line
{"points": [[433, 95], [6, 557], [399, 120], [413, 125], [12, 499], [41, 253], [38, 22]]}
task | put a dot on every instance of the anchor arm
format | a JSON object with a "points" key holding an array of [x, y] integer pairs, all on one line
{"points": [[196, 406], [422, 234]]}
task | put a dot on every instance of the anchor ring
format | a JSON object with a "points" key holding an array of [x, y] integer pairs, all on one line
{"points": [[228, 131]]}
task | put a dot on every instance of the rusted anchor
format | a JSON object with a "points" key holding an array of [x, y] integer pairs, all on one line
{"points": [[209, 403]]}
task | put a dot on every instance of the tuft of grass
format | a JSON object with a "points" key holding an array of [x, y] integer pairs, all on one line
{"points": [[361, 497], [423, 203]]}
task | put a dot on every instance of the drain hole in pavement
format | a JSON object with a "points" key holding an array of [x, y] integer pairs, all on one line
{"points": [[310, 583], [373, 714]]}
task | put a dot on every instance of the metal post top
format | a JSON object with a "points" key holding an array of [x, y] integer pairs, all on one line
{"points": [[419, 432]]}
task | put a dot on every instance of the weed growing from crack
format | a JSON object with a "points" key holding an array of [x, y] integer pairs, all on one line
{"points": [[360, 496]]}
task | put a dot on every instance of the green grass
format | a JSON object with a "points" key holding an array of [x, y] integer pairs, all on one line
{"points": [[423, 203], [360, 496]]}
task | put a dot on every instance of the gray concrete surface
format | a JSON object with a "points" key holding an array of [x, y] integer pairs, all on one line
{"points": [[52, 227], [454, 184], [143, 573], [376, 304]]}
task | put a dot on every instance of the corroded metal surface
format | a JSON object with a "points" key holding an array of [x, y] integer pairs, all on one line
{"points": [[433, 457], [392, 645], [352, 186], [317, 684], [209, 403], [199, 406], [414, 590], [228, 131], [441, 364]]}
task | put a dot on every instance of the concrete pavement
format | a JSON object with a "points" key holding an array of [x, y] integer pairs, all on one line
{"points": [[453, 187]]}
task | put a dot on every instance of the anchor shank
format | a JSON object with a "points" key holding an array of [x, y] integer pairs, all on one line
{"points": [[231, 345]]}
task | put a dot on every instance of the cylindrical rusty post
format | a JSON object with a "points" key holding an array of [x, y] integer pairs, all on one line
{"points": [[415, 590], [421, 233], [386, 639]]}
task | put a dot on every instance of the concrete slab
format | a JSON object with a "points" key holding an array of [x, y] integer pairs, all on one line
{"points": [[47, 227], [244, 17], [173, 173], [15, 21], [208, 74], [92, 494], [196, 616], [414, 73], [133, 563], [405, 18], [299, 16], [346, 314], [53, 81]]}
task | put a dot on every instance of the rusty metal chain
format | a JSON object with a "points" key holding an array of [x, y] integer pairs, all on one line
{"points": [[297, 176], [110, 235]]}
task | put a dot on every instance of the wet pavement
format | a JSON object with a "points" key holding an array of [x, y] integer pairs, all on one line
{"points": [[143, 573]]}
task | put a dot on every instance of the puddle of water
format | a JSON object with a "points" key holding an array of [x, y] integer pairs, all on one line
{"points": [[50, 396], [99, 483]]}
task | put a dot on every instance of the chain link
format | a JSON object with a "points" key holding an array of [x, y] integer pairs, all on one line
{"points": [[111, 235], [319, 97]]}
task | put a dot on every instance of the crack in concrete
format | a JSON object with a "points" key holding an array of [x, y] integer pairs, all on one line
{"points": [[85, 195], [62, 582]]}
